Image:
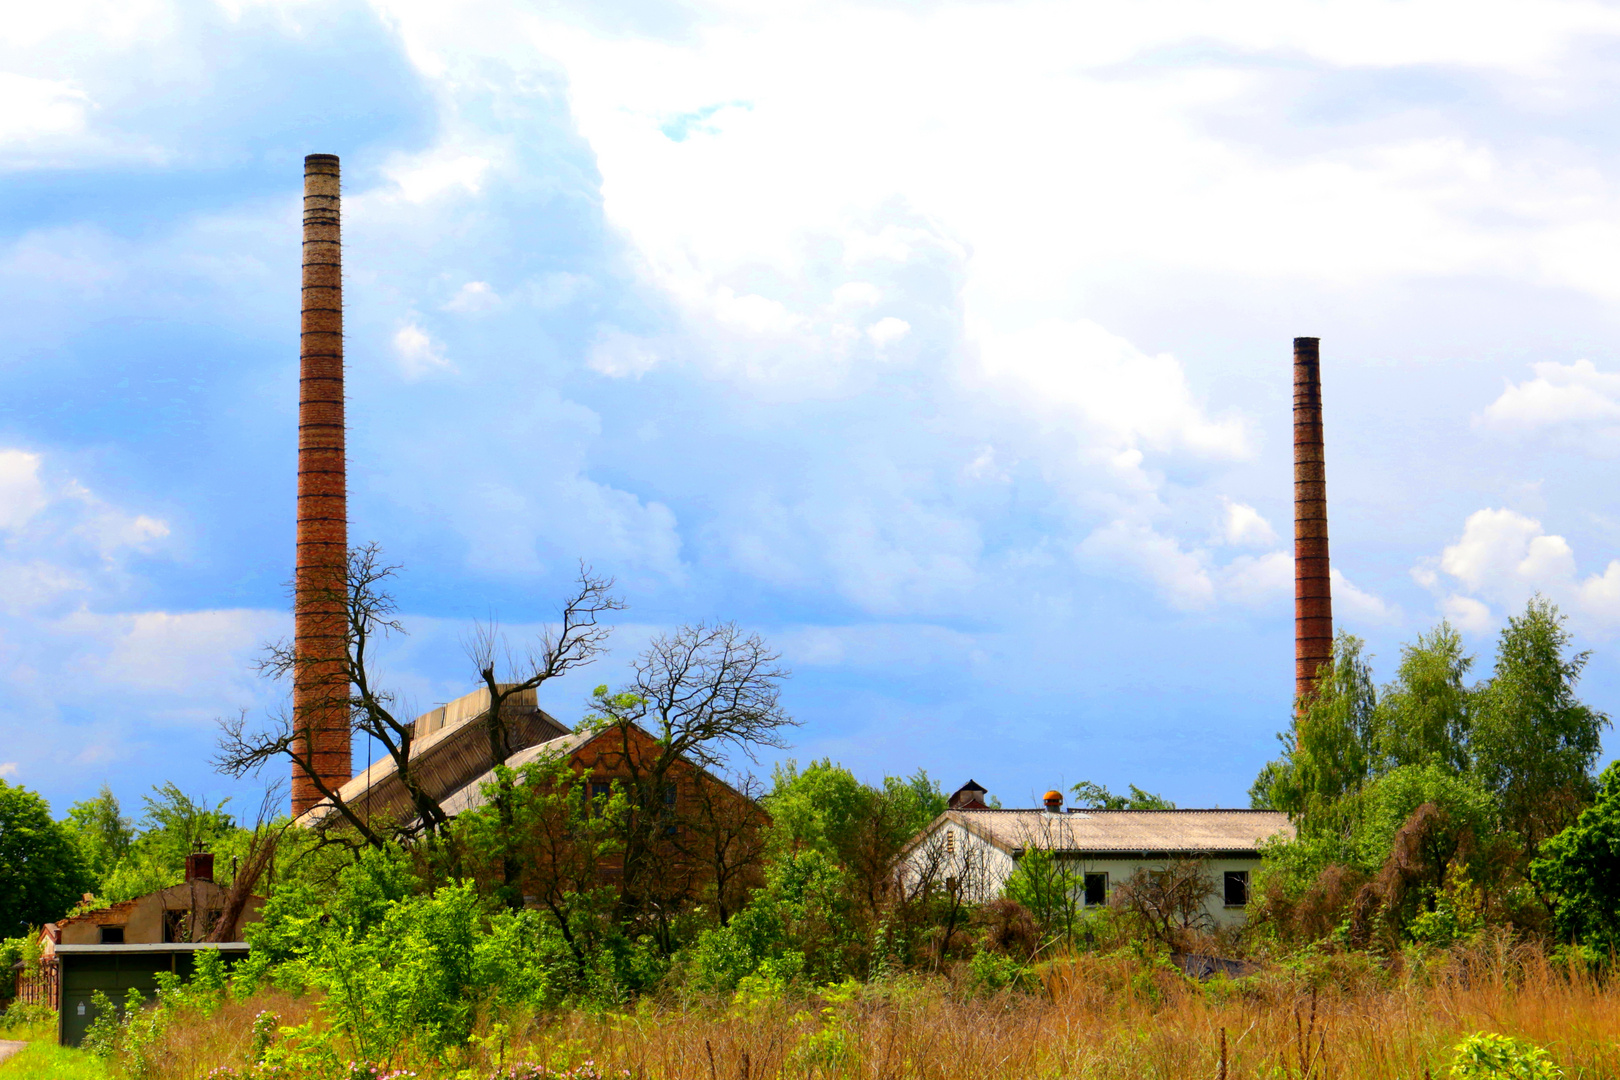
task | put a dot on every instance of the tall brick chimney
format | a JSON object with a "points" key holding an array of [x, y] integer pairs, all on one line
{"points": [[1313, 593], [320, 690]]}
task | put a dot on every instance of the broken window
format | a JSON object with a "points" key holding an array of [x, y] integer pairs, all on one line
{"points": [[1237, 888], [112, 935], [1096, 890]]}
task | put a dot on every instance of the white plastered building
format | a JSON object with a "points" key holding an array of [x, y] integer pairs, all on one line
{"points": [[974, 851]]}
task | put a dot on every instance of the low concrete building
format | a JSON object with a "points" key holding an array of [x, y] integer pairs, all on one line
{"points": [[187, 912], [975, 851], [123, 946]]}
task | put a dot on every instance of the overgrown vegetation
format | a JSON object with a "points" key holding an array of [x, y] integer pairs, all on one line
{"points": [[1449, 904], [1422, 806], [1488, 1010]]}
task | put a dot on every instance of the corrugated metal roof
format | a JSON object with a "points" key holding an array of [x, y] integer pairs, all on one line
{"points": [[1204, 831]]}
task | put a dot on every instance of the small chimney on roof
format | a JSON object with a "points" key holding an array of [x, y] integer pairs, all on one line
{"points": [[1054, 802], [1313, 588], [970, 796], [199, 866]]}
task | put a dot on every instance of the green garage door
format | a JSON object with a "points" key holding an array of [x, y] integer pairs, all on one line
{"points": [[114, 974]]}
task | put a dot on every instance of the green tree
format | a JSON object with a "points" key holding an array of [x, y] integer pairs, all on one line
{"points": [[42, 871], [1331, 750], [1097, 797], [1051, 887], [1534, 741], [859, 826], [1388, 802], [173, 826], [1425, 717], [802, 921], [1580, 869], [703, 693], [817, 808], [549, 843], [102, 832]]}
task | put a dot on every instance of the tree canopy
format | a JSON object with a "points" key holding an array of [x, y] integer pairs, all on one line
{"points": [[42, 871], [1580, 868], [1404, 794]]}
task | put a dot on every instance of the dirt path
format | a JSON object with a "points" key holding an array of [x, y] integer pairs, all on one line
{"points": [[9, 1047]]}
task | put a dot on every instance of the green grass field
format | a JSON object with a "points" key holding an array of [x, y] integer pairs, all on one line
{"points": [[44, 1060]]}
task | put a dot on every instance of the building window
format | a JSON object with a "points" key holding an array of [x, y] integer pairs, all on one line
{"points": [[1096, 890], [669, 810], [112, 935], [597, 793], [950, 842], [1237, 888]]}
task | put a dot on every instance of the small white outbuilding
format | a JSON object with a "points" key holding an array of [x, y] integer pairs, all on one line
{"points": [[974, 850]]}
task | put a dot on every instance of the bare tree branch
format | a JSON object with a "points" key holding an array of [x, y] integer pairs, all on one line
{"points": [[698, 693], [575, 640]]}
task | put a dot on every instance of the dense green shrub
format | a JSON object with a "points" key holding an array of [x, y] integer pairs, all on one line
{"points": [[1489, 1056], [803, 912], [1580, 869]]}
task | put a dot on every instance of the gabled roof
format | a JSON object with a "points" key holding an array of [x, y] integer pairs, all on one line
{"points": [[448, 749], [471, 796], [1121, 832]]}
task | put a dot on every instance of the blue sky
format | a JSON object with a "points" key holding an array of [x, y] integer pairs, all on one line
{"points": [[946, 345]]}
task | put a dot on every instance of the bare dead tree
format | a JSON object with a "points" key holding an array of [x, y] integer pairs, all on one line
{"points": [[371, 614], [941, 880], [244, 750], [1169, 904], [698, 694], [576, 639]]}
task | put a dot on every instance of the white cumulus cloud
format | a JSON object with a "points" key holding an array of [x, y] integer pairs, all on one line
{"points": [[1574, 402], [473, 298], [1357, 604], [1503, 557], [888, 330], [1243, 526], [417, 353]]}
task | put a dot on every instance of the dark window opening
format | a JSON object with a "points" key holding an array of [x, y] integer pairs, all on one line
{"points": [[1096, 890], [669, 810], [112, 935], [1237, 888], [597, 793]]}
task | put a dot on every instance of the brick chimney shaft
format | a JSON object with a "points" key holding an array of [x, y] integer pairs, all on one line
{"points": [[320, 689], [1313, 592]]}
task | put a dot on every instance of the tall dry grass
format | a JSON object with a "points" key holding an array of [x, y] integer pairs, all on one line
{"points": [[1100, 1017]]}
